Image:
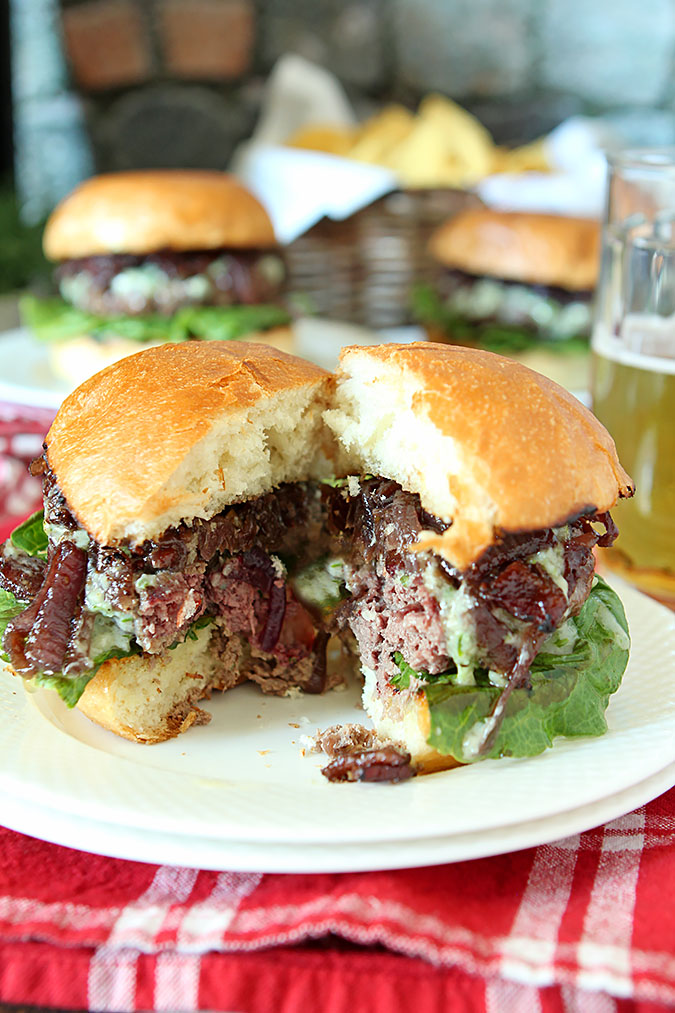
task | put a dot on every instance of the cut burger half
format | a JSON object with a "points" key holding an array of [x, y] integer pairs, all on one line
{"points": [[466, 533], [180, 501]]}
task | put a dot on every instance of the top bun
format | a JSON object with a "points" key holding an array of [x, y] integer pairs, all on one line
{"points": [[537, 249], [169, 209], [181, 431], [487, 443]]}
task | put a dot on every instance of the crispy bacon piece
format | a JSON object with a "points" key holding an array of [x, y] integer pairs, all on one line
{"points": [[528, 594], [388, 763]]}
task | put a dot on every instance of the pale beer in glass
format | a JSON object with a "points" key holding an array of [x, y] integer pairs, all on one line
{"points": [[633, 345]]}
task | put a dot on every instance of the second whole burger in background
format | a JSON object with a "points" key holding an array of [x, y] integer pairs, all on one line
{"points": [[518, 284], [150, 256]]}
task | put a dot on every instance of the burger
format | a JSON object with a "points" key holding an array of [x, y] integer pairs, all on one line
{"points": [[180, 499], [216, 512], [466, 530], [516, 284], [154, 256]]}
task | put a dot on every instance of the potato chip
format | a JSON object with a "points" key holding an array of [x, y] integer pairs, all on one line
{"points": [[382, 132], [440, 145], [528, 158], [331, 140]]}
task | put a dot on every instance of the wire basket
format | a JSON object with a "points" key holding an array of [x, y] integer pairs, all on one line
{"points": [[361, 270]]}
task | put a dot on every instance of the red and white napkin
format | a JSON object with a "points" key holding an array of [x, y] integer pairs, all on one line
{"points": [[585, 925], [22, 431]]}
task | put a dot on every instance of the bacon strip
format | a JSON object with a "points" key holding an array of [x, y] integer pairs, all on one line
{"points": [[37, 639]]}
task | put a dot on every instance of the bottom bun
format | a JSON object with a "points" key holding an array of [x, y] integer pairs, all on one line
{"points": [[76, 359], [404, 719], [151, 698]]}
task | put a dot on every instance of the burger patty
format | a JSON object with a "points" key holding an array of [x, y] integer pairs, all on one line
{"points": [[165, 281], [494, 616], [228, 568]]}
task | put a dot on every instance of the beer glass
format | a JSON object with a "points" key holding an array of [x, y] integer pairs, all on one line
{"points": [[633, 353]]}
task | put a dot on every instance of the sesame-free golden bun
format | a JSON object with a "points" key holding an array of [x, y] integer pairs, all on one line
{"points": [[536, 249], [488, 444], [145, 211], [180, 431]]}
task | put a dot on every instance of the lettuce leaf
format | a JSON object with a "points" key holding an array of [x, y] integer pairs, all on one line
{"points": [[71, 689], [506, 339], [30, 536], [569, 693], [56, 320]]}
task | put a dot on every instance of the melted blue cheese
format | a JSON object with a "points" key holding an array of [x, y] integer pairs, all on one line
{"points": [[320, 584], [95, 601], [56, 533], [108, 636], [515, 304], [458, 626], [552, 561]]}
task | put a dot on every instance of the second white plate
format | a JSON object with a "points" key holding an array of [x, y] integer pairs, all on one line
{"points": [[266, 856]]}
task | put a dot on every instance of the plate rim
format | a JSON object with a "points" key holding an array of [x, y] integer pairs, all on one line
{"points": [[368, 856]]}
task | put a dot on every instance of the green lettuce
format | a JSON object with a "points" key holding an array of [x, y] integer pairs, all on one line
{"points": [[506, 339], [71, 689], [56, 320], [568, 696], [30, 536]]}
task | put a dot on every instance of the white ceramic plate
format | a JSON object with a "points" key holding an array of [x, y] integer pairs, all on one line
{"points": [[26, 376], [243, 777], [268, 856]]}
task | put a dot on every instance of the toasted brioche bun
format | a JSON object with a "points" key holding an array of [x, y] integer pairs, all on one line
{"points": [[79, 358], [537, 249], [404, 718], [169, 209], [150, 698], [486, 442], [181, 431]]}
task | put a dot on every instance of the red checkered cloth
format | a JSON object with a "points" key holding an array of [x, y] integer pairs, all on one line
{"points": [[22, 431], [586, 924]]}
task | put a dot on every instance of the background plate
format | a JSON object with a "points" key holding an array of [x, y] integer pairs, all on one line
{"points": [[243, 778]]}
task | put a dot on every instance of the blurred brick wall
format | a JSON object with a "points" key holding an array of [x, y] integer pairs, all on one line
{"points": [[178, 82]]}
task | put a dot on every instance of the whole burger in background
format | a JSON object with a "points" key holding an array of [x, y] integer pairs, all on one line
{"points": [[517, 284], [149, 256]]}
